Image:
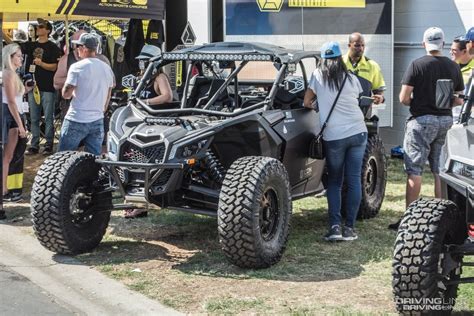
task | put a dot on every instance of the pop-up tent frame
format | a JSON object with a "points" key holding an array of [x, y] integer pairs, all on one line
{"points": [[28, 10]]}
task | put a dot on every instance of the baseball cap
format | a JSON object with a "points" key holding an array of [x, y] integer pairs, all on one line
{"points": [[469, 37], [433, 39], [330, 50], [88, 40], [149, 51], [46, 23]]}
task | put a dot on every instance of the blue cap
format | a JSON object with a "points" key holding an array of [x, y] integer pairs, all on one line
{"points": [[469, 35], [330, 50]]}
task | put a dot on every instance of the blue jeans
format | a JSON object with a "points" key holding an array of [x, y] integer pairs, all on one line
{"points": [[47, 105], [344, 160], [72, 133]]}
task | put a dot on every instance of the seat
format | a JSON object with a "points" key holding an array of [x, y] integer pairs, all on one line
{"points": [[201, 89], [290, 95]]}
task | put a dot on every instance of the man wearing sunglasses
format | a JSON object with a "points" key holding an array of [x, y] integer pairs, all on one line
{"points": [[42, 61], [362, 66], [460, 55]]}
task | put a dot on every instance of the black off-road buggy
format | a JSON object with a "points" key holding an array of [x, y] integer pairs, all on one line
{"points": [[436, 235], [235, 146]]}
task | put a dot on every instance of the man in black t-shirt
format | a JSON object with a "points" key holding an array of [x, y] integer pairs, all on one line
{"points": [[426, 128], [42, 61]]}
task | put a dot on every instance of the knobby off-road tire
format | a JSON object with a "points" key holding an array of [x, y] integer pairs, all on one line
{"points": [[418, 259], [373, 180], [56, 202], [254, 212]]}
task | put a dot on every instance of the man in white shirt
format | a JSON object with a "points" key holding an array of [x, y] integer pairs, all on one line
{"points": [[89, 82]]}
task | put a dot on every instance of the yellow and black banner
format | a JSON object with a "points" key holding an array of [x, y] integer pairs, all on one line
{"points": [[307, 17], [327, 3], [140, 9]]}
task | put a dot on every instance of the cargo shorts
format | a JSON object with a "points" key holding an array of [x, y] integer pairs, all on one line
{"points": [[424, 139]]}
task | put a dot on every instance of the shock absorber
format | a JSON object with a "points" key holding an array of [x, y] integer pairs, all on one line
{"points": [[214, 167]]}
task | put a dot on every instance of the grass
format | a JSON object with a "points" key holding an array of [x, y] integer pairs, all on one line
{"points": [[181, 263], [176, 258]]}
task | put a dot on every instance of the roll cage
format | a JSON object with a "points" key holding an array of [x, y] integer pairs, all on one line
{"points": [[234, 56]]}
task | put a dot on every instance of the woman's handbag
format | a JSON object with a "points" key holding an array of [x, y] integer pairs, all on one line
{"points": [[316, 146]]}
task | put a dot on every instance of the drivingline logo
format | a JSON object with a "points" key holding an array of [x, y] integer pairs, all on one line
{"points": [[270, 5]]}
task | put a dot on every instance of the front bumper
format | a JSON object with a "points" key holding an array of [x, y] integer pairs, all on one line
{"points": [[149, 174]]}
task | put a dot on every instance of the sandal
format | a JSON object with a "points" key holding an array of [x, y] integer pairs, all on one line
{"points": [[135, 213]]}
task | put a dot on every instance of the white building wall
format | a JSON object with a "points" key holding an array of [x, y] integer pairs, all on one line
{"points": [[200, 19], [411, 19]]}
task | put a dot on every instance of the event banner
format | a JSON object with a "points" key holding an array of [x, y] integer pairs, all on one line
{"points": [[142, 9], [307, 17]]}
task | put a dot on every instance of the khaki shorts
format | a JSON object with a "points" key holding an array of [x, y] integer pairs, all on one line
{"points": [[424, 139]]}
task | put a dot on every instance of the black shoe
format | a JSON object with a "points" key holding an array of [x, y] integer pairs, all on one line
{"points": [[349, 234], [48, 150], [31, 151], [2, 215], [12, 197], [334, 234], [394, 226]]}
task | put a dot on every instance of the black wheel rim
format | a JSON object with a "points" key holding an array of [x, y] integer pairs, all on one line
{"points": [[269, 214], [79, 203], [371, 176]]}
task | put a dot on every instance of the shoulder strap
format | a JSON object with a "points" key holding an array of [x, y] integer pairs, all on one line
{"points": [[333, 105]]}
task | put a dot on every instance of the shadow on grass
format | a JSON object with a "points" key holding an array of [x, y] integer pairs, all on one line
{"points": [[123, 251], [307, 257]]}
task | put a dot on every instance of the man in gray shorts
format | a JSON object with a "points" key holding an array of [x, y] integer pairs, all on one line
{"points": [[426, 128]]}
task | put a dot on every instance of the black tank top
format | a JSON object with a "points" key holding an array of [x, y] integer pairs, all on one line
{"points": [[149, 92]]}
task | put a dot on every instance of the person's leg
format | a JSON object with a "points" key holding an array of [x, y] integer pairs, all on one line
{"points": [[48, 102], [437, 186], [416, 144], [72, 133], [420, 134], [93, 140], [352, 173], [9, 149], [335, 155], [444, 124], [413, 188], [35, 116]]}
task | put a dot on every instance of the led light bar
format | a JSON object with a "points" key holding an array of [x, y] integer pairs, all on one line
{"points": [[229, 57]]}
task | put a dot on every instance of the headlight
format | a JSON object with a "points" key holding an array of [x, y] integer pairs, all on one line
{"points": [[187, 150], [462, 169]]}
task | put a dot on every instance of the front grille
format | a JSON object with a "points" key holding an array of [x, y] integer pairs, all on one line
{"points": [[133, 153]]}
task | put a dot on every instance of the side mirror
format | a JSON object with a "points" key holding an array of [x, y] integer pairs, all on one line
{"points": [[444, 93]]}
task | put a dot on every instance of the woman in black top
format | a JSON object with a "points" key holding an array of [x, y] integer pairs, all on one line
{"points": [[158, 91]]}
